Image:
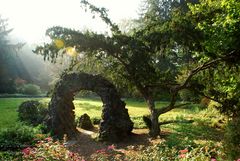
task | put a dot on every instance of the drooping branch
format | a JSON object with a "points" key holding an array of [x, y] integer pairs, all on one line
{"points": [[103, 15], [175, 88], [204, 95]]}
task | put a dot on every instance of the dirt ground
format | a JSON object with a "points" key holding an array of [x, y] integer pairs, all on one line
{"points": [[86, 145]]}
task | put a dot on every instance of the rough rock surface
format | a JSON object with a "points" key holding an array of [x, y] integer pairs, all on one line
{"points": [[115, 124], [84, 122]]}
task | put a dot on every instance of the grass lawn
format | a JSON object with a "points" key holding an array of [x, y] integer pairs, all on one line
{"points": [[91, 106], [8, 113]]}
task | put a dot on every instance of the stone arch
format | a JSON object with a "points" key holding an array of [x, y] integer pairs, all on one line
{"points": [[115, 124]]}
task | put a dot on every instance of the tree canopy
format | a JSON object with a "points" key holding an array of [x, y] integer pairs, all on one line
{"points": [[176, 46]]}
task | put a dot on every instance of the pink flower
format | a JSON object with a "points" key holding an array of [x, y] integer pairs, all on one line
{"points": [[183, 151], [182, 155], [48, 139], [26, 151], [100, 151], [238, 159], [111, 147], [71, 154]]}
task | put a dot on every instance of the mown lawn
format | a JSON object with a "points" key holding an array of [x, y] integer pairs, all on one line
{"points": [[8, 111], [93, 106]]}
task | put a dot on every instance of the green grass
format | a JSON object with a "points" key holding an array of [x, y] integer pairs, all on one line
{"points": [[91, 106], [8, 110], [8, 113]]}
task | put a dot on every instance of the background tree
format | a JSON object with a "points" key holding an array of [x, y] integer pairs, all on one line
{"points": [[10, 66]]}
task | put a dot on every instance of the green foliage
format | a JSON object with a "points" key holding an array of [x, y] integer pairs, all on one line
{"points": [[187, 95], [138, 122], [204, 103], [232, 139], [218, 20], [163, 152], [10, 155], [96, 120], [30, 89], [32, 112], [17, 137]]}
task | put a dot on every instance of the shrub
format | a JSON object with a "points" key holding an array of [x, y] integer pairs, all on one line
{"points": [[10, 155], [232, 139], [32, 112], [164, 152], [187, 95], [96, 120], [48, 149], [17, 137], [138, 122], [204, 102], [30, 89]]}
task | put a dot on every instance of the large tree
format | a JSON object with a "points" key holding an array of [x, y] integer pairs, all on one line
{"points": [[135, 57], [10, 66], [150, 58]]}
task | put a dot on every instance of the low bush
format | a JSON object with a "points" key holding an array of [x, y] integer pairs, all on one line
{"points": [[232, 139], [17, 137], [30, 89], [138, 122], [32, 112], [204, 103], [164, 152], [96, 120], [10, 155], [48, 149], [187, 95]]}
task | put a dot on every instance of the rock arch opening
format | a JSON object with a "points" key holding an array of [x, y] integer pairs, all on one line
{"points": [[115, 124]]}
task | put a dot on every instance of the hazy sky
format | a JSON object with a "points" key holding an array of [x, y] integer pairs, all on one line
{"points": [[31, 18]]}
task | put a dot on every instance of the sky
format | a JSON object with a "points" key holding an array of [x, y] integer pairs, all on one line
{"points": [[31, 18]]}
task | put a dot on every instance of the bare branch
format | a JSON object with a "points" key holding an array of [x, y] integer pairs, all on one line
{"points": [[204, 95]]}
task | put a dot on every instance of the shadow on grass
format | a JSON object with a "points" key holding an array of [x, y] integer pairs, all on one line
{"points": [[88, 106], [185, 135]]}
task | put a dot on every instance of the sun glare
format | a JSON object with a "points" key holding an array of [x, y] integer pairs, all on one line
{"points": [[59, 43], [71, 51], [30, 19]]}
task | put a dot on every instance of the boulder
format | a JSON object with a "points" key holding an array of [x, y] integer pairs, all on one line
{"points": [[84, 122]]}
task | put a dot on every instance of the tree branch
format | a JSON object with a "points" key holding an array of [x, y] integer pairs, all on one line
{"points": [[202, 94]]}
